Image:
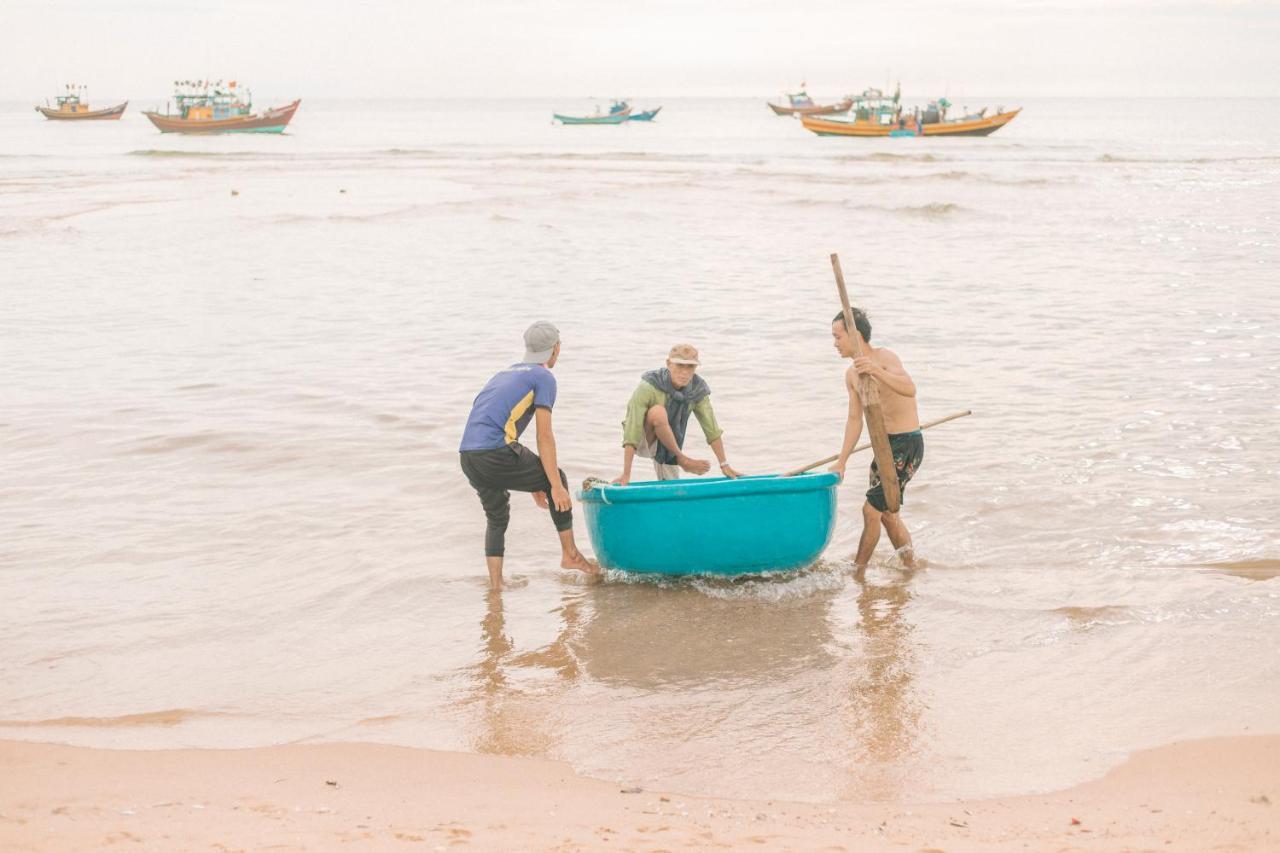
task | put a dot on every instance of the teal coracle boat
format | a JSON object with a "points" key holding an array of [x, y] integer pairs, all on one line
{"points": [[712, 526]]}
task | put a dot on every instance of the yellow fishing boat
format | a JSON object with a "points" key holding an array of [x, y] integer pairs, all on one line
{"points": [[876, 114], [73, 107]]}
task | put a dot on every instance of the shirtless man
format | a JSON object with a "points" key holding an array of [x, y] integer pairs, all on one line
{"points": [[901, 420]]}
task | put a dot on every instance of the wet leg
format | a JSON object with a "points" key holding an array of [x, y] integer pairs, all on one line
{"points": [[497, 513], [572, 558], [900, 537], [870, 536], [495, 572]]}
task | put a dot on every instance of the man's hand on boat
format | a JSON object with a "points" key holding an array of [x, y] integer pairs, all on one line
{"points": [[838, 468], [622, 480]]}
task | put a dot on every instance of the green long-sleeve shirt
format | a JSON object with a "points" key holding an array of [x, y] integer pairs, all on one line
{"points": [[646, 396]]}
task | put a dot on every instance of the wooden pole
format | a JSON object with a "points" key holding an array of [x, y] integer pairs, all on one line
{"points": [[869, 391], [833, 457]]}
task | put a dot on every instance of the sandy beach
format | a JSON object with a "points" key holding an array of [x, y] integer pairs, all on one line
{"points": [[1217, 793]]}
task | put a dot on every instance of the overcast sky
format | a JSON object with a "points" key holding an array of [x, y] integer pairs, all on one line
{"points": [[319, 48]]}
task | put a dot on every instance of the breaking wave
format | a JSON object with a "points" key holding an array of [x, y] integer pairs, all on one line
{"points": [[1117, 158], [230, 155], [933, 210], [170, 717], [822, 576], [886, 157]]}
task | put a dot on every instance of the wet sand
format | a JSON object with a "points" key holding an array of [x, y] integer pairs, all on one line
{"points": [[1218, 793]]}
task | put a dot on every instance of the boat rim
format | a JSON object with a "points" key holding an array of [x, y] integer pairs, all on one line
{"points": [[708, 488]]}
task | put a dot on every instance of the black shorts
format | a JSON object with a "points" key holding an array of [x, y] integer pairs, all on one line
{"points": [[494, 474], [908, 453]]}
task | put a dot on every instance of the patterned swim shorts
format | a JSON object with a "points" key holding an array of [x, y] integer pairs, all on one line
{"points": [[908, 453]]}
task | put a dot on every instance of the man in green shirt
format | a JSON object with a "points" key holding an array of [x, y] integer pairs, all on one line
{"points": [[658, 414]]}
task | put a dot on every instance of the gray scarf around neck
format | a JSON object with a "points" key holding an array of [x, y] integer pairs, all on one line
{"points": [[680, 401]]}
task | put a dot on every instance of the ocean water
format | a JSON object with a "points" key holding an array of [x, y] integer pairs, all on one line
{"points": [[236, 369]]}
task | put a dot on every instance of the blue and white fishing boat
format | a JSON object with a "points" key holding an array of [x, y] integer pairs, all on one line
{"points": [[712, 526], [599, 118]]}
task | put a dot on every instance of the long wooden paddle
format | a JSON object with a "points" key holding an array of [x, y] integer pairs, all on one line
{"points": [[869, 391], [833, 457]]}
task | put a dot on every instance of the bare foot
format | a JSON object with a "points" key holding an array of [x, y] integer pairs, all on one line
{"points": [[693, 466], [574, 560]]}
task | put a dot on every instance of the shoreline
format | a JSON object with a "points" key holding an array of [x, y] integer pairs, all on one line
{"points": [[1217, 792]]}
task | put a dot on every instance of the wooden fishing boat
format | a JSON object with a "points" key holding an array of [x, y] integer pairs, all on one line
{"points": [[712, 525], [876, 115], [800, 104], [603, 118], [73, 107], [204, 107], [648, 115]]}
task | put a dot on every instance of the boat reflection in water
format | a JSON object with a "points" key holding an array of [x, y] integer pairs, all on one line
{"points": [[884, 715], [798, 687]]}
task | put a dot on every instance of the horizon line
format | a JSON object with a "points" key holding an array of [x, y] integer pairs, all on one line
{"points": [[390, 98]]}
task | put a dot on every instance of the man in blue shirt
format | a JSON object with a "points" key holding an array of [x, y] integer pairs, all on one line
{"points": [[496, 463]]}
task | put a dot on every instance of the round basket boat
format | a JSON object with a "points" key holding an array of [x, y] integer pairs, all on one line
{"points": [[712, 526]]}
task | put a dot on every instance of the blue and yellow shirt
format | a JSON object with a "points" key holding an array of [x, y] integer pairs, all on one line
{"points": [[505, 405]]}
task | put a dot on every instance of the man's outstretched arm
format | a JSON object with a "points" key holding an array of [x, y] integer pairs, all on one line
{"points": [[717, 447], [852, 425], [628, 456], [547, 452]]}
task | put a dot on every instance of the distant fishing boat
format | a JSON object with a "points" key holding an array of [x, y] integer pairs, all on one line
{"points": [[206, 107], [647, 115], [876, 115], [800, 104], [711, 525], [599, 118], [73, 107]]}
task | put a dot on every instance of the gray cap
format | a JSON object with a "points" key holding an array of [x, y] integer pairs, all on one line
{"points": [[539, 340]]}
